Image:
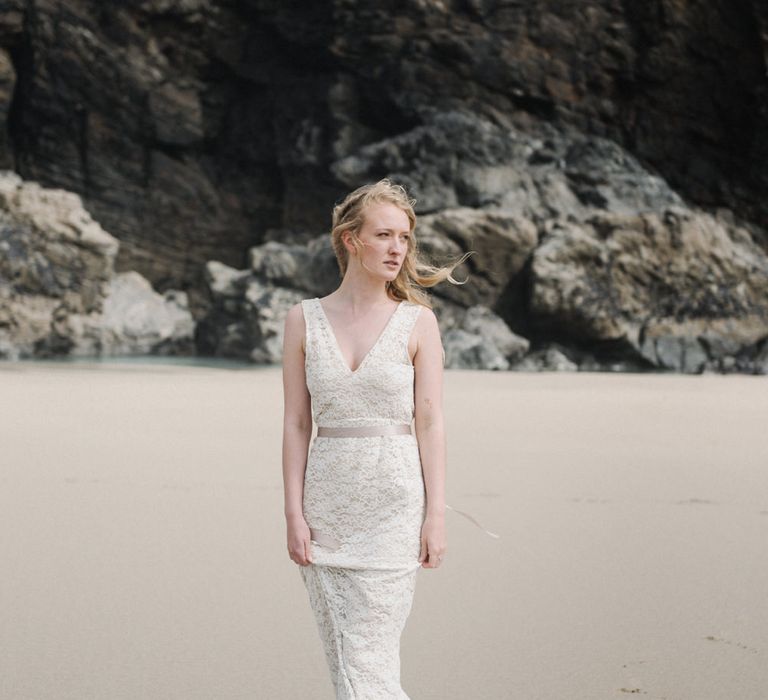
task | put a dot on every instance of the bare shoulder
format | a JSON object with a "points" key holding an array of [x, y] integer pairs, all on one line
{"points": [[295, 313], [294, 324], [428, 356], [426, 320], [294, 319], [426, 334]]}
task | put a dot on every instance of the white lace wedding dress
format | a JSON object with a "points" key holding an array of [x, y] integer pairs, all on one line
{"points": [[364, 501]]}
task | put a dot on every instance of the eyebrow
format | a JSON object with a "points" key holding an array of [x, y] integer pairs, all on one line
{"points": [[389, 230]]}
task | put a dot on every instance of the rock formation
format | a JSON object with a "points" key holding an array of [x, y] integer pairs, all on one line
{"points": [[599, 157], [190, 127], [59, 295]]}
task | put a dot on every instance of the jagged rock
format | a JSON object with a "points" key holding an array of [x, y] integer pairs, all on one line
{"points": [[225, 282], [465, 350], [502, 244], [312, 266], [248, 321], [248, 307], [51, 246], [55, 262], [267, 311], [136, 320], [481, 321], [548, 359], [192, 126], [195, 127], [58, 292], [677, 289], [459, 159], [476, 338]]}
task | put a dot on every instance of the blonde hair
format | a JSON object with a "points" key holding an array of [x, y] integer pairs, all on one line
{"points": [[349, 215]]}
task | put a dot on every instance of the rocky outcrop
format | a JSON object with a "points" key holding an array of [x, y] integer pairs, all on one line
{"points": [[205, 130], [582, 259], [249, 307], [136, 320], [681, 291], [246, 316], [579, 245], [501, 241], [678, 289], [459, 158], [191, 127], [482, 341], [59, 295]]}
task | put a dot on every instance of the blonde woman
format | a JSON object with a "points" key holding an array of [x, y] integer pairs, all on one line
{"points": [[365, 503]]}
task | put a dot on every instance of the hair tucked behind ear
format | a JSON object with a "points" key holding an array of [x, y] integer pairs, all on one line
{"points": [[349, 215]]}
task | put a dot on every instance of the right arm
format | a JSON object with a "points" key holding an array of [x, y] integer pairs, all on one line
{"points": [[297, 432]]}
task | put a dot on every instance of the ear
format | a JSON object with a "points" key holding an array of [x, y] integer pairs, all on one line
{"points": [[346, 239]]}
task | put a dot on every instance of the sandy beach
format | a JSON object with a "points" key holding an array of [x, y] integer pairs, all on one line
{"points": [[143, 554]]}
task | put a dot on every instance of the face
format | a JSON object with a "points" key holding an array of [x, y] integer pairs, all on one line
{"points": [[384, 235]]}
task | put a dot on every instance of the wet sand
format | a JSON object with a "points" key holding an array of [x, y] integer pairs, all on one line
{"points": [[143, 555]]}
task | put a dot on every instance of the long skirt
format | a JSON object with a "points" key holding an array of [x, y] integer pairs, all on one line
{"points": [[360, 615]]}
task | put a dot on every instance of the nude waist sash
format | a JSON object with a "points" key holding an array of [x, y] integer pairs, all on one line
{"points": [[364, 431], [375, 431]]}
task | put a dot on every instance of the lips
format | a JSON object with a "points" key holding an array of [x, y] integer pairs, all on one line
{"points": [[392, 263]]}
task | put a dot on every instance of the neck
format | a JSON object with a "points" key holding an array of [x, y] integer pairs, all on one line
{"points": [[361, 291]]}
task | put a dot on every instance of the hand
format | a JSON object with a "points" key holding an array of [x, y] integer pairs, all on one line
{"points": [[432, 541], [298, 540]]}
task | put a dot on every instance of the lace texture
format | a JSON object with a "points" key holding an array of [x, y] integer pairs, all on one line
{"points": [[367, 495]]}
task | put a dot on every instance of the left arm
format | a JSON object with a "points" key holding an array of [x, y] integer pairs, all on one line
{"points": [[430, 433]]}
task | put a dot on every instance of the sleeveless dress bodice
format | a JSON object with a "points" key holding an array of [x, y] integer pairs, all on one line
{"points": [[379, 391]]}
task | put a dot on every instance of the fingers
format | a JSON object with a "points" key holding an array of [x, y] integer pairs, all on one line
{"points": [[300, 553], [434, 558], [423, 553]]}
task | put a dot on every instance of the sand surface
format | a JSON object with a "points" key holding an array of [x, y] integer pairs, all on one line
{"points": [[143, 551]]}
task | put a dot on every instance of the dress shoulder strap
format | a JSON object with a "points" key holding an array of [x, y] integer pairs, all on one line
{"points": [[406, 323], [411, 312], [402, 325], [311, 323]]}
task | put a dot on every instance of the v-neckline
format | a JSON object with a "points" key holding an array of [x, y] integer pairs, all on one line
{"points": [[335, 341]]}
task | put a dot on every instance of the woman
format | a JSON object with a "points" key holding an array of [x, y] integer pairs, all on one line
{"points": [[365, 509]]}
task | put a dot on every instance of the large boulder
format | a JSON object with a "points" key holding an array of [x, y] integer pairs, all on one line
{"points": [[501, 245], [247, 308], [679, 289], [461, 159], [481, 340], [59, 295], [137, 320], [247, 312]]}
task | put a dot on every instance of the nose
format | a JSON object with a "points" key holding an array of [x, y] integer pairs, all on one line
{"points": [[398, 244]]}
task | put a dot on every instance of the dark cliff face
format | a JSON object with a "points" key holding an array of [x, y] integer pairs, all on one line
{"points": [[192, 127]]}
